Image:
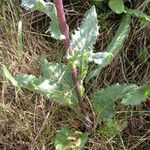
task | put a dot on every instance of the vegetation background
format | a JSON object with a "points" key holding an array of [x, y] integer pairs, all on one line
{"points": [[27, 121]]}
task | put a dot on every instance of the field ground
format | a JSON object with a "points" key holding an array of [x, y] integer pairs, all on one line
{"points": [[27, 120]]}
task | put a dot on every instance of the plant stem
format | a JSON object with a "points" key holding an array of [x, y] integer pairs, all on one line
{"points": [[65, 31], [62, 23]]}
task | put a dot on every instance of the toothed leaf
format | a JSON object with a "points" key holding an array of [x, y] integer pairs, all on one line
{"points": [[82, 41], [55, 82], [85, 37], [104, 100], [137, 95]]}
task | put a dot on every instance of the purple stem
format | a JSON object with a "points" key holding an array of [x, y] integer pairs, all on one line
{"points": [[63, 25], [65, 31]]}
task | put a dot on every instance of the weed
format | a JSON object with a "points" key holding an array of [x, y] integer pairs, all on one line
{"points": [[55, 82]]}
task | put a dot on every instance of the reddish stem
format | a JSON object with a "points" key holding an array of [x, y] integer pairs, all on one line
{"points": [[65, 31], [63, 25]]}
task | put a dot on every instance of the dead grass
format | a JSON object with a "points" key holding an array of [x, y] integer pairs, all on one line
{"points": [[27, 120]]}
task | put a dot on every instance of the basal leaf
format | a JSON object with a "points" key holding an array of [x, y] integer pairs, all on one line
{"points": [[138, 14], [85, 37], [114, 47], [104, 101], [69, 139], [117, 6], [131, 94], [50, 9]]}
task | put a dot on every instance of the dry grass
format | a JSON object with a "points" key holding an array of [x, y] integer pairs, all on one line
{"points": [[27, 120]]}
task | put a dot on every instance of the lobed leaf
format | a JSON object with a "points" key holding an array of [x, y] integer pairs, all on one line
{"points": [[50, 9], [60, 74], [69, 139], [55, 82], [104, 100]]}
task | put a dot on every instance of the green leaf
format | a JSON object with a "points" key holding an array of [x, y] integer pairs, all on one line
{"points": [[50, 9], [122, 33], [114, 47], [146, 89], [56, 71], [104, 100], [82, 42], [137, 95], [51, 70], [61, 75], [144, 54], [26, 81], [54, 25], [112, 127], [55, 82], [93, 74], [9, 76], [117, 6], [138, 14], [69, 139], [85, 37], [101, 58]]}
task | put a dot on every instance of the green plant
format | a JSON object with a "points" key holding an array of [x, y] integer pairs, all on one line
{"points": [[118, 6], [63, 83]]}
